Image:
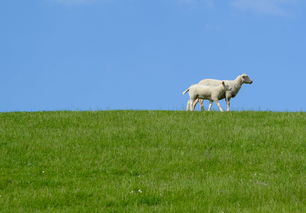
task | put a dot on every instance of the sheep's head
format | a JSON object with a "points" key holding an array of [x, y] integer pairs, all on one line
{"points": [[246, 79]]}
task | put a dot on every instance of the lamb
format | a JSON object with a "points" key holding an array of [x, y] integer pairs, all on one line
{"points": [[234, 86], [211, 93]]}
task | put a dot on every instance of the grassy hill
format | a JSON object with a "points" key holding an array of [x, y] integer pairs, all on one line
{"points": [[152, 161]]}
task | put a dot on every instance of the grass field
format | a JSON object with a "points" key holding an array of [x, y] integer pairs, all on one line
{"points": [[152, 161]]}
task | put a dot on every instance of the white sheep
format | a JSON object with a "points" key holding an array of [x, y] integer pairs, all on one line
{"points": [[211, 93], [234, 86]]}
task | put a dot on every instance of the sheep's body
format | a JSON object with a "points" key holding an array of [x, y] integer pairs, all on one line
{"points": [[234, 86], [204, 92], [211, 93]]}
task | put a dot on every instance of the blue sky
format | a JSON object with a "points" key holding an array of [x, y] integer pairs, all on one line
{"points": [[141, 54]]}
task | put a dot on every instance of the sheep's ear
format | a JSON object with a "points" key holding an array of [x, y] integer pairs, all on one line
{"points": [[223, 83]]}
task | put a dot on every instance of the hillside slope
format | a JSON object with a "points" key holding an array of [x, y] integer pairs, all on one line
{"points": [[152, 161]]}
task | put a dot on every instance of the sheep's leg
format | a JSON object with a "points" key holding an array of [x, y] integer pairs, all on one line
{"points": [[220, 108], [210, 105], [202, 105], [228, 104], [191, 106], [194, 103], [188, 105]]}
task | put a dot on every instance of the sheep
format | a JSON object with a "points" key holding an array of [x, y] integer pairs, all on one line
{"points": [[234, 86], [211, 93]]}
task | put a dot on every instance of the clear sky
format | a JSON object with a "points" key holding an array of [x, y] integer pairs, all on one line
{"points": [[141, 54]]}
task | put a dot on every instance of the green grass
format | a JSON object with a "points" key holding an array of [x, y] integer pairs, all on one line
{"points": [[152, 161]]}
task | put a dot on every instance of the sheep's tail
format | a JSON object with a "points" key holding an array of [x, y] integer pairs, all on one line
{"points": [[187, 90]]}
